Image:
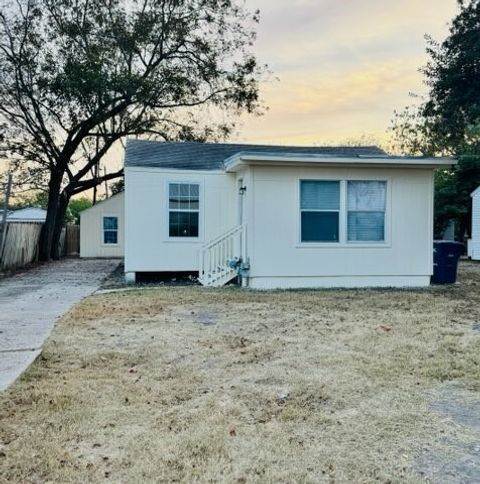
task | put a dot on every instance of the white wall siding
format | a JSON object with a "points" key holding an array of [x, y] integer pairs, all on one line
{"points": [[279, 259], [148, 247], [475, 241], [91, 228], [272, 215]]}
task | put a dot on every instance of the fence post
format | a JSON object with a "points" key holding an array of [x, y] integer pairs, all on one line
{"points": [[5, 209]]}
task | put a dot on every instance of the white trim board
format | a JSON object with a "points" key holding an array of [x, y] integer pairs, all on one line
{"points": [[346, 282]]}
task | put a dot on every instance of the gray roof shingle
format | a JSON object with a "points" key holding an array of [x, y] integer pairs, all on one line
{"points": [[211, 156]]}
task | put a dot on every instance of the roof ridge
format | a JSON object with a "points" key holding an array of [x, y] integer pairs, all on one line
{"points": [[263, 145]]}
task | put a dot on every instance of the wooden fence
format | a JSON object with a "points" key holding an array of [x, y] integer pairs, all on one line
{"points": [[20, 246], [72, 240], [21, 243]]}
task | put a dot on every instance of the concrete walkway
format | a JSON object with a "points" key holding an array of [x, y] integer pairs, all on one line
{"points": [[32, 301]]}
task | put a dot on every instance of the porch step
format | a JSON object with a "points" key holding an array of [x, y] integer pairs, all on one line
{"points": [[217, 279], [216, 256]]}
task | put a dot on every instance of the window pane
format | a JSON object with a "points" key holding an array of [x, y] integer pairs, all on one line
{"points": [[194, 197], [194, 191], [366, 226], [320, 195], [183, 224], [320, 226], [174, 203], [174, 190], [110, 237], [184, 190], [183, 204], [184, 196], [365, 196], [110, 223]]}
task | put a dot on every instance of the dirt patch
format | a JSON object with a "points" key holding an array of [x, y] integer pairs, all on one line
{"points": [[455, 458], [186, 384]]}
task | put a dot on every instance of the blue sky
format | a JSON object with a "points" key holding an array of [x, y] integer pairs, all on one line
{"points": [[343, 65]]}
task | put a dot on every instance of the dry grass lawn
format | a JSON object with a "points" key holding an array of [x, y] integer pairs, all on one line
{"points": [[196, 385]]}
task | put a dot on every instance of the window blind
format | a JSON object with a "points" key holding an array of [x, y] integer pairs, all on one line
{"points": [[366, 211]]}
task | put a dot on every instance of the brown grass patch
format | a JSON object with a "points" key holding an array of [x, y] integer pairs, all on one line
{"points": [[188, 384]]}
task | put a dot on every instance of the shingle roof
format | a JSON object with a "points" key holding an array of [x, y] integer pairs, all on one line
{"points": [[211, 156]]}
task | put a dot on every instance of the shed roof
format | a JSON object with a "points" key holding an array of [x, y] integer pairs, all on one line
{"points": [[28, 214], [211, 156]]}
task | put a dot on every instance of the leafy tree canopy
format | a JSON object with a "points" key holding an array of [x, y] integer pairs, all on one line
{"points": [[75, 206]]}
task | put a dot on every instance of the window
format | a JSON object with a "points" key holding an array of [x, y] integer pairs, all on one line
{"points": [[183, 209], [320, 211], [366, 211], [110, 230]]}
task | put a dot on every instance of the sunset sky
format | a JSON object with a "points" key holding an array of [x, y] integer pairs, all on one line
{"points": [[343, 65]]}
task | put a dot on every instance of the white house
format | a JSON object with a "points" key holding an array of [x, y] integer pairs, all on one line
{"points": [[102, 228], [284, 217], [474, 242]]}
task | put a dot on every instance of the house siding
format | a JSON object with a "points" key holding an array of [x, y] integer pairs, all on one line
{"points": [[148, 247], [278, 259], [271, 213], [91, 228]]}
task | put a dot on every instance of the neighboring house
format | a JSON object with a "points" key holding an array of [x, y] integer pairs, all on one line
{"points": [[29, 214], [102, 228], [474, 242], [285, 217]]}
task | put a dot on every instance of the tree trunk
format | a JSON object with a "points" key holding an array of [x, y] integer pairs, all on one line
{"points": [[46, 239], [59, 224]]}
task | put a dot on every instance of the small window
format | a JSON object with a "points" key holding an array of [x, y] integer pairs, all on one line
{"points": [[183, 209], [320, 211], [366, 211], [110, 230]]}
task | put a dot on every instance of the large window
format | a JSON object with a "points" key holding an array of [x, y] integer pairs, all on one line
{"points": [[320, 211], [110, 230], [366, 211], [183, 209], [343, 211]]}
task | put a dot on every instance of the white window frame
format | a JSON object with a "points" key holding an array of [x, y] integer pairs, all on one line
{"points": [[200, 211], [343, 235], [102, 232]]}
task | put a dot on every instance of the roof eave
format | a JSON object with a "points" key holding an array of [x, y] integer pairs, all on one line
{"points": [[236, 162]]}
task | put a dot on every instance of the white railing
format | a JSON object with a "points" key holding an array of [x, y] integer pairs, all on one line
{"points": [[215, 256]]}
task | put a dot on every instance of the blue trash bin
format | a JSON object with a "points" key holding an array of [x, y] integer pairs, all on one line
{"points": [[445, 261]]}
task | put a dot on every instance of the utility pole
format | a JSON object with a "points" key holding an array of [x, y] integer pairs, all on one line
{"points": [[95, 176], [106, 183], [8, 190], [95, 172]]}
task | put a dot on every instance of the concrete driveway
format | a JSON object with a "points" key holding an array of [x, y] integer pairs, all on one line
{"points": [[32, 301]]}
